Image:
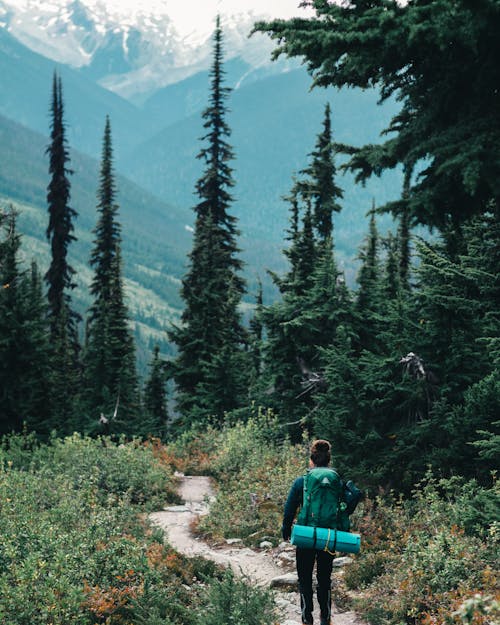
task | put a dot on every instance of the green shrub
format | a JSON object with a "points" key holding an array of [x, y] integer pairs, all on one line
{"points": [[422, 558], [112, 469], [236, 602], [73, 549], [254, 475]]}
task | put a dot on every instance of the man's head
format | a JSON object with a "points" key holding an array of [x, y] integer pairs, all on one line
{"points": [[320, 453]]}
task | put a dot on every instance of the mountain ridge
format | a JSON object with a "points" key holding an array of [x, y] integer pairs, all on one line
{"points": [[131, 50]]}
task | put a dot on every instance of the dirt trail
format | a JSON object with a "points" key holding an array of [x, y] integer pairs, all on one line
{"points": [[261, 566]]}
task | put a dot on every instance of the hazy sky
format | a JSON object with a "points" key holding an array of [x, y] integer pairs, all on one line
{"points": [[192, 15], [193, 8], [197, 16]]}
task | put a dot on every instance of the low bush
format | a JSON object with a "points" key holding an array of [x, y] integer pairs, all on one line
{"points": [[424, 557], [73, 548], [111, 468], [236, 602], [253, 473]]}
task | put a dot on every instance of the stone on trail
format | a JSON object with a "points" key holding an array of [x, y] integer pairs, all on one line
{"points": [[180, 508], [342, 561], [233, 541], [285, 581], [265, 544], [286, 558]]}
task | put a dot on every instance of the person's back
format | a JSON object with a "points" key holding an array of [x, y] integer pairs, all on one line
{"points": [[318, 494]]}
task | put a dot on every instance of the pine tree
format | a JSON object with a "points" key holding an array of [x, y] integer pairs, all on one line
{"points": [[373, 45], [63, 319], [59, 276], [391, 283], [155, 395], [319, 184], [404, 233], [306, 254], [36, 351], [23, 339], [110, 371], [207, 371], [459, 338], [368, 301], [311, 309], [10, 327]]}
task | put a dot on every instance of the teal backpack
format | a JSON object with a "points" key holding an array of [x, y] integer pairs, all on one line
{"points": [[323, 504]]}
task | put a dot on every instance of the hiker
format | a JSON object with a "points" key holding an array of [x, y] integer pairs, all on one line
{"points": [[320, 454]]}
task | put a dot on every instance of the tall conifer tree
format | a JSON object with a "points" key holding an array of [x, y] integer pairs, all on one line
{"points": [[320, 183], [110, 372], [59, 276], [208, 371], [23, 339], [10, 328], [155, 395], [305, 320], [404, 233], [368, 302]]}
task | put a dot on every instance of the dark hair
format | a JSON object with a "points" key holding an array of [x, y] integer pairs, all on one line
{"points": [[321, 453]]}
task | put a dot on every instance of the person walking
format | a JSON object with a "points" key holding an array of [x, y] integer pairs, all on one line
{"points": [[320, 456]]}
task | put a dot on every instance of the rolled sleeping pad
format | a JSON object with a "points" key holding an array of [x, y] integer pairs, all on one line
{"points": [[325, 539]]}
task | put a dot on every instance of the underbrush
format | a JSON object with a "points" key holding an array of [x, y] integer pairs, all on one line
{"points": [[75, 548], [430, 560], [253, 473]]}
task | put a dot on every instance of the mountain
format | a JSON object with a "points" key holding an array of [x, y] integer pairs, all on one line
{"points": [[26, 83], [135, 48]]}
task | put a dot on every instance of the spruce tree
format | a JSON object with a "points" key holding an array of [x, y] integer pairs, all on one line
{"points": [[368, 301], [11, 417], [23, 339], [36, 351], [319, 184], [63, 319], [60, 274], [155, 395], [110, 371], [376, 44], [306, 319], [208, 372], [404, 233]]}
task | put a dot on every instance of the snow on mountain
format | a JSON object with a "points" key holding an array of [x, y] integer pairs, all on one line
{"points": [[135, 47]]}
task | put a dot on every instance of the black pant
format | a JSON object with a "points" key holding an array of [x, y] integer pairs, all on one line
{"points": [[305, 565]]}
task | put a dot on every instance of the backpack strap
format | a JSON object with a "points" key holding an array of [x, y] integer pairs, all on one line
{"points": [[304, 490], [332, 552]]}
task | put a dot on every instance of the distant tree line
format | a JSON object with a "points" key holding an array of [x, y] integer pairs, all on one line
{"points": [[401, 372]]}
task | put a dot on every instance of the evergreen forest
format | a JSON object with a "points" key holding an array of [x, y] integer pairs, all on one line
{"points": [[400, 370]]}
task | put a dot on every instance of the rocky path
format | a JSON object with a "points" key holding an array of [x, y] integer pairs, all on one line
{"points": [[267, 567]]}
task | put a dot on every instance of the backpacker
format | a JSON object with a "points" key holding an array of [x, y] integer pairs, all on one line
{"points": [[322, 504]]}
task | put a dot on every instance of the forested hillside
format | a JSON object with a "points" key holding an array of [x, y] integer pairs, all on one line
{"points": [[398, 366]]}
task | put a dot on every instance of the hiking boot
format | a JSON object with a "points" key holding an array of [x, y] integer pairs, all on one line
{"points": [[325, 621]]}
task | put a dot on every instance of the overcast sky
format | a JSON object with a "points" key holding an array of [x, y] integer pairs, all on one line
{"points": [[191, 15], [196, 18]]}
